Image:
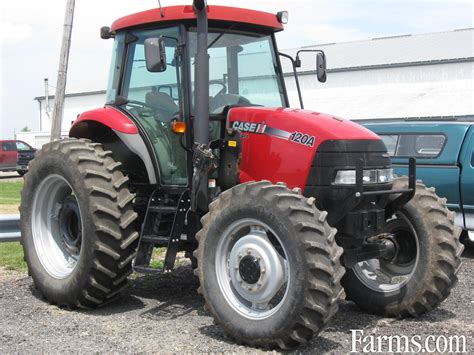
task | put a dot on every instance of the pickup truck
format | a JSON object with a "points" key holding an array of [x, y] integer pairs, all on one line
{"points": [[15, 156], [444, 152]]}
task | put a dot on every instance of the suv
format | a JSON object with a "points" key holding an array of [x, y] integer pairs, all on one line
{"points": [[444, 151], [15, 156]]}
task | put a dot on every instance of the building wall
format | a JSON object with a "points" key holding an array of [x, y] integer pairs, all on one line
{"points": [[73, 106], [37, 139], [397, 92]]}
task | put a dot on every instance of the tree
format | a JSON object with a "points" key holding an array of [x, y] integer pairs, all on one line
{"points": [[25, 129]]}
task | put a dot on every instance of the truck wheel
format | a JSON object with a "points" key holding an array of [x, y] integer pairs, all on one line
{"points": [[77, 224], [268, 265], [424, 269]]}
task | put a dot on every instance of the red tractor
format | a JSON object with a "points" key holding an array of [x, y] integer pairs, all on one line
{"points": [[280, 210]]}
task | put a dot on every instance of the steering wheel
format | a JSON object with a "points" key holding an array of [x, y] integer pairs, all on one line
{"points": [[164, 113], [221, 83], [140, 103]]}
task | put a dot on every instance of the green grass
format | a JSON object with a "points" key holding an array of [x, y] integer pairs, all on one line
{"points": [[156, 264], [10, 192], [11, 256], [158, 258]]}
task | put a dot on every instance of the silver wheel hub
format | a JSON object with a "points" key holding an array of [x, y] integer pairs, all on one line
{"points": [[271, 267], [56, 226], [252, 269]]}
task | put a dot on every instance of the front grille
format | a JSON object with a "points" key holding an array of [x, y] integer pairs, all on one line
{"points": [[335, 155]]}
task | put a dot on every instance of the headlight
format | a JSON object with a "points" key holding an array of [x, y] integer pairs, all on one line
{"points": [[385, 175], [282, 17], [372, 176]]}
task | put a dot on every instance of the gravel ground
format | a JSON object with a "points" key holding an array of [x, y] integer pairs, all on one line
{"points": [[165, 314]]}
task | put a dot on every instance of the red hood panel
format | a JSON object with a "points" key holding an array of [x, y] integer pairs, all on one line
{"points": [[279, 143]]}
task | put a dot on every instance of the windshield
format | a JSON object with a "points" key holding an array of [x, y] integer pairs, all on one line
{"points": [[243, 70], [23, 147]]}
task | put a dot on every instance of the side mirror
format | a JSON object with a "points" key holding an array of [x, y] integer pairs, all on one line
{"points": [[155, 55], [105, 33], [321, 67]]}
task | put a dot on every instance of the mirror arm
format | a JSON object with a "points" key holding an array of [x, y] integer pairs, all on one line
{"points": [[310, 51], [295, 73]]}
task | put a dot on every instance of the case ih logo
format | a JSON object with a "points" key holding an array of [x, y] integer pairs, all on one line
{"points": [[260, 128], [249, 127]]}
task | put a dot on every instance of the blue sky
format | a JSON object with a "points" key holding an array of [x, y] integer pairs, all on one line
{"points": [[31, 32]]}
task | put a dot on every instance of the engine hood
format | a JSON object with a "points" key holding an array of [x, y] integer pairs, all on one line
{"points": [[279, 143], [320, 125]]}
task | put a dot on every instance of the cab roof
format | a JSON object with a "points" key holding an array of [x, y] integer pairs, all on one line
{"points": [[185, 12]]}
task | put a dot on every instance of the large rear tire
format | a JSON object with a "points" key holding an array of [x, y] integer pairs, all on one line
{"points": [[424, 270], [77, 224], [268, 265]]}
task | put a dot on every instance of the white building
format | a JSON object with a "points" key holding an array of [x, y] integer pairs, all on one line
{"points": [[425, 75], [74, 104]]}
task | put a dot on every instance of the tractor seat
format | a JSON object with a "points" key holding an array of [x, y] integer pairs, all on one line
{"points": [[163, 102], [218, 103]]}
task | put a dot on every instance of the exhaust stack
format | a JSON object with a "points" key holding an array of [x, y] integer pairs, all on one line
{"points": [[204, 161], [201, 76]]}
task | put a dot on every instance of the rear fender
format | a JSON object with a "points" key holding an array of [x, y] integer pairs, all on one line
{"points": [[92, 125]]}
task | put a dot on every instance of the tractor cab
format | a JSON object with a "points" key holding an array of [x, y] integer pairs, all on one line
{"points": [[154, 66]]}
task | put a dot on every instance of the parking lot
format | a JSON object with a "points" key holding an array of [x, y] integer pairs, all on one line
{"points": [[165, 314]]}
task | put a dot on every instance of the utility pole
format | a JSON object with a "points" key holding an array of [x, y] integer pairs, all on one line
{"points": [[62, 72], [47, 109]]}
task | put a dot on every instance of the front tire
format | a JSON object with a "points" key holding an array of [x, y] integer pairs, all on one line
{"points": [[424, 270], [268, 265], [77, 224]]}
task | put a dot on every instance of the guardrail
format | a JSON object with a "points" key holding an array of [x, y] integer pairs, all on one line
{"points": [[10, 228]]}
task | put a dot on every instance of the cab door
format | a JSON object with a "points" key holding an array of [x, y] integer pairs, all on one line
{"points": [[155, 99], [467, 179], [8, 155]]}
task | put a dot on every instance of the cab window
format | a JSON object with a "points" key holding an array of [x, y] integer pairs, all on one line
{"points": [[8, 146], [429, 145], [22, 147], [390, 142], [414, 145], [243, 70]]}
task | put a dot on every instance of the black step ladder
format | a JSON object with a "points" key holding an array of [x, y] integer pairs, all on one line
{"points": [[162, 227]]}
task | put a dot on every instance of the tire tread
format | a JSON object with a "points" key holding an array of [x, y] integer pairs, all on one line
{"points": [[321, 252], [111, 210]]}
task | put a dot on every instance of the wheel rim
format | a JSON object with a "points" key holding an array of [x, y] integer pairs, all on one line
{"points": [[252, 269], [386, 276], [56, 226]]}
